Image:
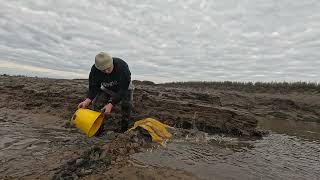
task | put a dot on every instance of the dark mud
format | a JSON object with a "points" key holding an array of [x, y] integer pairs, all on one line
{"points": [[98, 158], [39, 143]]}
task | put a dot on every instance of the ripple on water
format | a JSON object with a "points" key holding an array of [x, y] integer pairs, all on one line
{"points": [[277, 156]]}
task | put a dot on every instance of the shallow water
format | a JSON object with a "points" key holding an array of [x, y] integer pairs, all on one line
{"points": [[290, 151], [33, 145]]}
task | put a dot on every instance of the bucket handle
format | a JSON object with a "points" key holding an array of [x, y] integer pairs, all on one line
{"points": [[73, 118]]}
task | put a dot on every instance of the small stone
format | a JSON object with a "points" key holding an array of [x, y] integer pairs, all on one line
{"points": [[135, 145], [109, 133], [88, 171], [132, 151], [106, 146], [55, 104], [79, 162], [143, 142], [122, 136], [189, 162], [80, 172], [96, 156], [103, 154], [122, 151], [75, 177], [135, 139]]}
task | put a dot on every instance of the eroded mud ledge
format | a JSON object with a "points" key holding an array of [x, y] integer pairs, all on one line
{"points": [[39, 108]]}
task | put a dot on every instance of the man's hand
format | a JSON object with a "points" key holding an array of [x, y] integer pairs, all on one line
{"points": [[106, 110], [85, 103]]}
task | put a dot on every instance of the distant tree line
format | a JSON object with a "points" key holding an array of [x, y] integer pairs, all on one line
{"points": [[281, 87]]}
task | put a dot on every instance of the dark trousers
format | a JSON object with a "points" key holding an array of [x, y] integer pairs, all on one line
{"points": [[126, 105]]}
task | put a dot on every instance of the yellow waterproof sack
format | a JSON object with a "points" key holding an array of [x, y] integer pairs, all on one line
{"points": [[156, 129], [87, 121]]}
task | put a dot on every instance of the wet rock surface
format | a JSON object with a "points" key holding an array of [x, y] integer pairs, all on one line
{"points": [[38, 142], [99, 158]]}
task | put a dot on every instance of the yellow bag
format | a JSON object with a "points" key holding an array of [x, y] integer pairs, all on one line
{"points": [[156, 129]]}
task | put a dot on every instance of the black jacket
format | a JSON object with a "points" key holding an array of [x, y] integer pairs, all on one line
{"points": [[118, 81]]}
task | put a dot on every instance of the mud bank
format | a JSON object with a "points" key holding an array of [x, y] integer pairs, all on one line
{"points": [[177, 107], [35, 112]]}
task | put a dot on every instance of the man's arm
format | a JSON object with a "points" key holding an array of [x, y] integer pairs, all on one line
{"points": [[94, 84], [125, 80]]}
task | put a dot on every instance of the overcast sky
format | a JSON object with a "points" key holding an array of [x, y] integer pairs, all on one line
{"points": [[173, 40]]}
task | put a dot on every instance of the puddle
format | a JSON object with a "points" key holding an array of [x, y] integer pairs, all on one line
{"points": [[290, 151], [33, 145]]}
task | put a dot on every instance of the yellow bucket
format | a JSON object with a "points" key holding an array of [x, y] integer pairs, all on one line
{"points": [[87, 121]]}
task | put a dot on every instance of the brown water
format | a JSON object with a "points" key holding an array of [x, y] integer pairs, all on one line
{"points": [[34, 145], [290, 151]]}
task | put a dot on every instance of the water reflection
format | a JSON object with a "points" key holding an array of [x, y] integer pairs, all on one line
{"points": [[306, 130], [290, 151]]}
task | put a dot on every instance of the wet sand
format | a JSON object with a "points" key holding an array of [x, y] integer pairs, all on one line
{"points": [[39, 143]]}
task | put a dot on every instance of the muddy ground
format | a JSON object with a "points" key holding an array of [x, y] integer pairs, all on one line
{"points": [[38, 143]]}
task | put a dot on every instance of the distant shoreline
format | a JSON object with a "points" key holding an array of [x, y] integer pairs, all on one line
{"points": [[299, 86]]}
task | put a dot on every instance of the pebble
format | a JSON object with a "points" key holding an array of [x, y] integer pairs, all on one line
{"points": [[96, 156], [109, 133], [136, 139], [119, 159], [74, 176], [122, 151], [79, 162], [135, 145], [143, 142], [106, 146], [55, 104], [132, 151], [89, 171], [189, 162]]}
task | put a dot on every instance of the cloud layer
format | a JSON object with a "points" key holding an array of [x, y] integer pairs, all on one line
{"points": [[174, 40]]}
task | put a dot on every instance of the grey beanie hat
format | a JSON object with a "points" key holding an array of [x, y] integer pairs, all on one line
{"points": [[103, 61]]}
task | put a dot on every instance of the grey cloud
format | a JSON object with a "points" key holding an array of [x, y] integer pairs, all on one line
{"points": [[187, 40]]}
